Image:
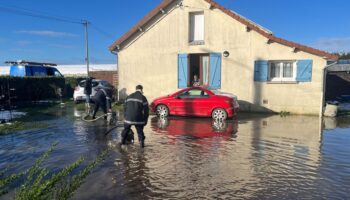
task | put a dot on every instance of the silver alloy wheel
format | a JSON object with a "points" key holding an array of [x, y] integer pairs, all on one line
{"points": [[162, 111], [219, 114]]}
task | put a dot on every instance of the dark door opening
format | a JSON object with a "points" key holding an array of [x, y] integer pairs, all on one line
{"points": [[199, 66], [337, 86]]}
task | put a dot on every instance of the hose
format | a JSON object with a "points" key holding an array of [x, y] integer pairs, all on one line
{"points": [[120, 124], [92, 120]]}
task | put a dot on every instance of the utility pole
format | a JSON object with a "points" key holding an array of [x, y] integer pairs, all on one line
{"points": [[86, 23]]}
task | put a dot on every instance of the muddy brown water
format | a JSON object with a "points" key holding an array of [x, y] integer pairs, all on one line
{"points": [[253, 157]]}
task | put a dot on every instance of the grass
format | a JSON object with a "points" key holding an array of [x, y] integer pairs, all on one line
{"points": [[19, 126], [35, 115], [38, 182]]}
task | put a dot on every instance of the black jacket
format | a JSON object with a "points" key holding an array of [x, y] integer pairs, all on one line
{"points": [[136, 110], [103, 97], [88, 86]]}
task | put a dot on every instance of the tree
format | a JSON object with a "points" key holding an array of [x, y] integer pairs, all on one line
{"points": [[343, 55]]}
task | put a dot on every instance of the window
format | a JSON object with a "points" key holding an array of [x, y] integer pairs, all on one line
{"points": [[282, 71], [196, 28], [195, 93], [38, 71]]}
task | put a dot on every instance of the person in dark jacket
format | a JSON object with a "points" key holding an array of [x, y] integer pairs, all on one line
{"points": [[88, 89], [103, 99], [136, 112]]}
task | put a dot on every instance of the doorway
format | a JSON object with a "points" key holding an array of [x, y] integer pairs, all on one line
{"points": [[199, 66]]}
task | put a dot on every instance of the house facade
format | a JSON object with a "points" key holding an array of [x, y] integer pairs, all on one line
{"points": [[183, 38]]}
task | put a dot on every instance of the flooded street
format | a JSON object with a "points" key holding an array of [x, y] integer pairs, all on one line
{"points": [[253, 157]]}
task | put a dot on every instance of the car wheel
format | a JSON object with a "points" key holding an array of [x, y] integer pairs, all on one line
{"points": [[219, 114], [162, 111]]}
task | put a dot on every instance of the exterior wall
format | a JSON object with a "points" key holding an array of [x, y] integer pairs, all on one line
{"points": [[151, 60], [110, 76]]}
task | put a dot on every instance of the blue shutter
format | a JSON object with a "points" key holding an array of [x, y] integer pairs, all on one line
{"points": [[261, 69], [215, 71], [182, 71], [304, 70]]}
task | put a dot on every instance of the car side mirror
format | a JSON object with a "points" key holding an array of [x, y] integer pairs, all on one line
{"points": [[177, 97]]}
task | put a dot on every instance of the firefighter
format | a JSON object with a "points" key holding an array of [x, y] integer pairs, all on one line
{"points": [[136, 112], [103, 99]]}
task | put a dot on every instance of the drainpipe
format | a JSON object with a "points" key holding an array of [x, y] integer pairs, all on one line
{"points": [[325, 71]]}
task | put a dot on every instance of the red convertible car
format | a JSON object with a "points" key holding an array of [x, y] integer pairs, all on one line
{"points": [[197, 101]]}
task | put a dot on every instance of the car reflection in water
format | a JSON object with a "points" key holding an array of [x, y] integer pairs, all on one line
{"points": [[194, 127]]}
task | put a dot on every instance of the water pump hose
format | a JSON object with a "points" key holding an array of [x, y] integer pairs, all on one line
{"points": [[84, 118]]}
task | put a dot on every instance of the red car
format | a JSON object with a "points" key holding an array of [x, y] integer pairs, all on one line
{"points": [[196, 101]]}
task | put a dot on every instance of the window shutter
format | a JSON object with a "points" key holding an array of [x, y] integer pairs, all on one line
{"points": [[215, 71], [182, 73], [304, 70], [261, 69]]}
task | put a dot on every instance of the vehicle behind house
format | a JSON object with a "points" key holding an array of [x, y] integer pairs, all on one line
{"points": [[79, 95], [25, 68]]}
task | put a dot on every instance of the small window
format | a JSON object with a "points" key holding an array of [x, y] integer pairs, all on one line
{"points": [[197, 28], [282, 71], [38, 71]]}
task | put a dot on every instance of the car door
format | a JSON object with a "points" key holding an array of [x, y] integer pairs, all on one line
{"points": [[195, 102], [199, 102], [177, 104]]}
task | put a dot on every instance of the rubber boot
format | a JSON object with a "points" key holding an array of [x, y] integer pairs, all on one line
{"points": [[142, 142]]}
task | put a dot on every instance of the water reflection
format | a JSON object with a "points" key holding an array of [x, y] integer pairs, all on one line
{"points": [[194, 127]]}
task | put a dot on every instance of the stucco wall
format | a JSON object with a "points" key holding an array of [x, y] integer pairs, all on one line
{"points": [[151, 60]]}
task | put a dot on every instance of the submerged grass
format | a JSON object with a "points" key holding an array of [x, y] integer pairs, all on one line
{"points": [[20, 125], [39, 183]]}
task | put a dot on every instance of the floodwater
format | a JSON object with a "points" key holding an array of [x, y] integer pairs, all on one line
{"points": [[253, 157]]}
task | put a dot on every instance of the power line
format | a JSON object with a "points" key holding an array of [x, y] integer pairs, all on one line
{"points": [[108, 35], [26, 12], [37, 11], [44, 15]]}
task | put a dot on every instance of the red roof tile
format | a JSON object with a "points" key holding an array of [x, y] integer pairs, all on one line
{"points": [[247, 23]]}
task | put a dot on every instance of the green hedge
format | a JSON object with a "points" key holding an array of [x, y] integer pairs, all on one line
{"points": [[39, 88], [70, 84]]}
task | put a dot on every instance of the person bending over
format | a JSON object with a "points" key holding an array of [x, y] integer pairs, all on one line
{"points": [[103, 99]]}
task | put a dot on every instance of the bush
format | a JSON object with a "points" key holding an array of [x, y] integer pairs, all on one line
{"points": [[70, 84]]}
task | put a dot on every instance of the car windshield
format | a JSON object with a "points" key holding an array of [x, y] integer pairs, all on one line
{"points": [[105, 84], [82, 83], [216, 92]]}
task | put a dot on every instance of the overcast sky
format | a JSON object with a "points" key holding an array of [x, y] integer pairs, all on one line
{"points": [[322, 24]]}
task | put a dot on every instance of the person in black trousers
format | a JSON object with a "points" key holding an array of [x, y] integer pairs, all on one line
{"points": [[136, 112], [103, 99], [87, 92]]}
